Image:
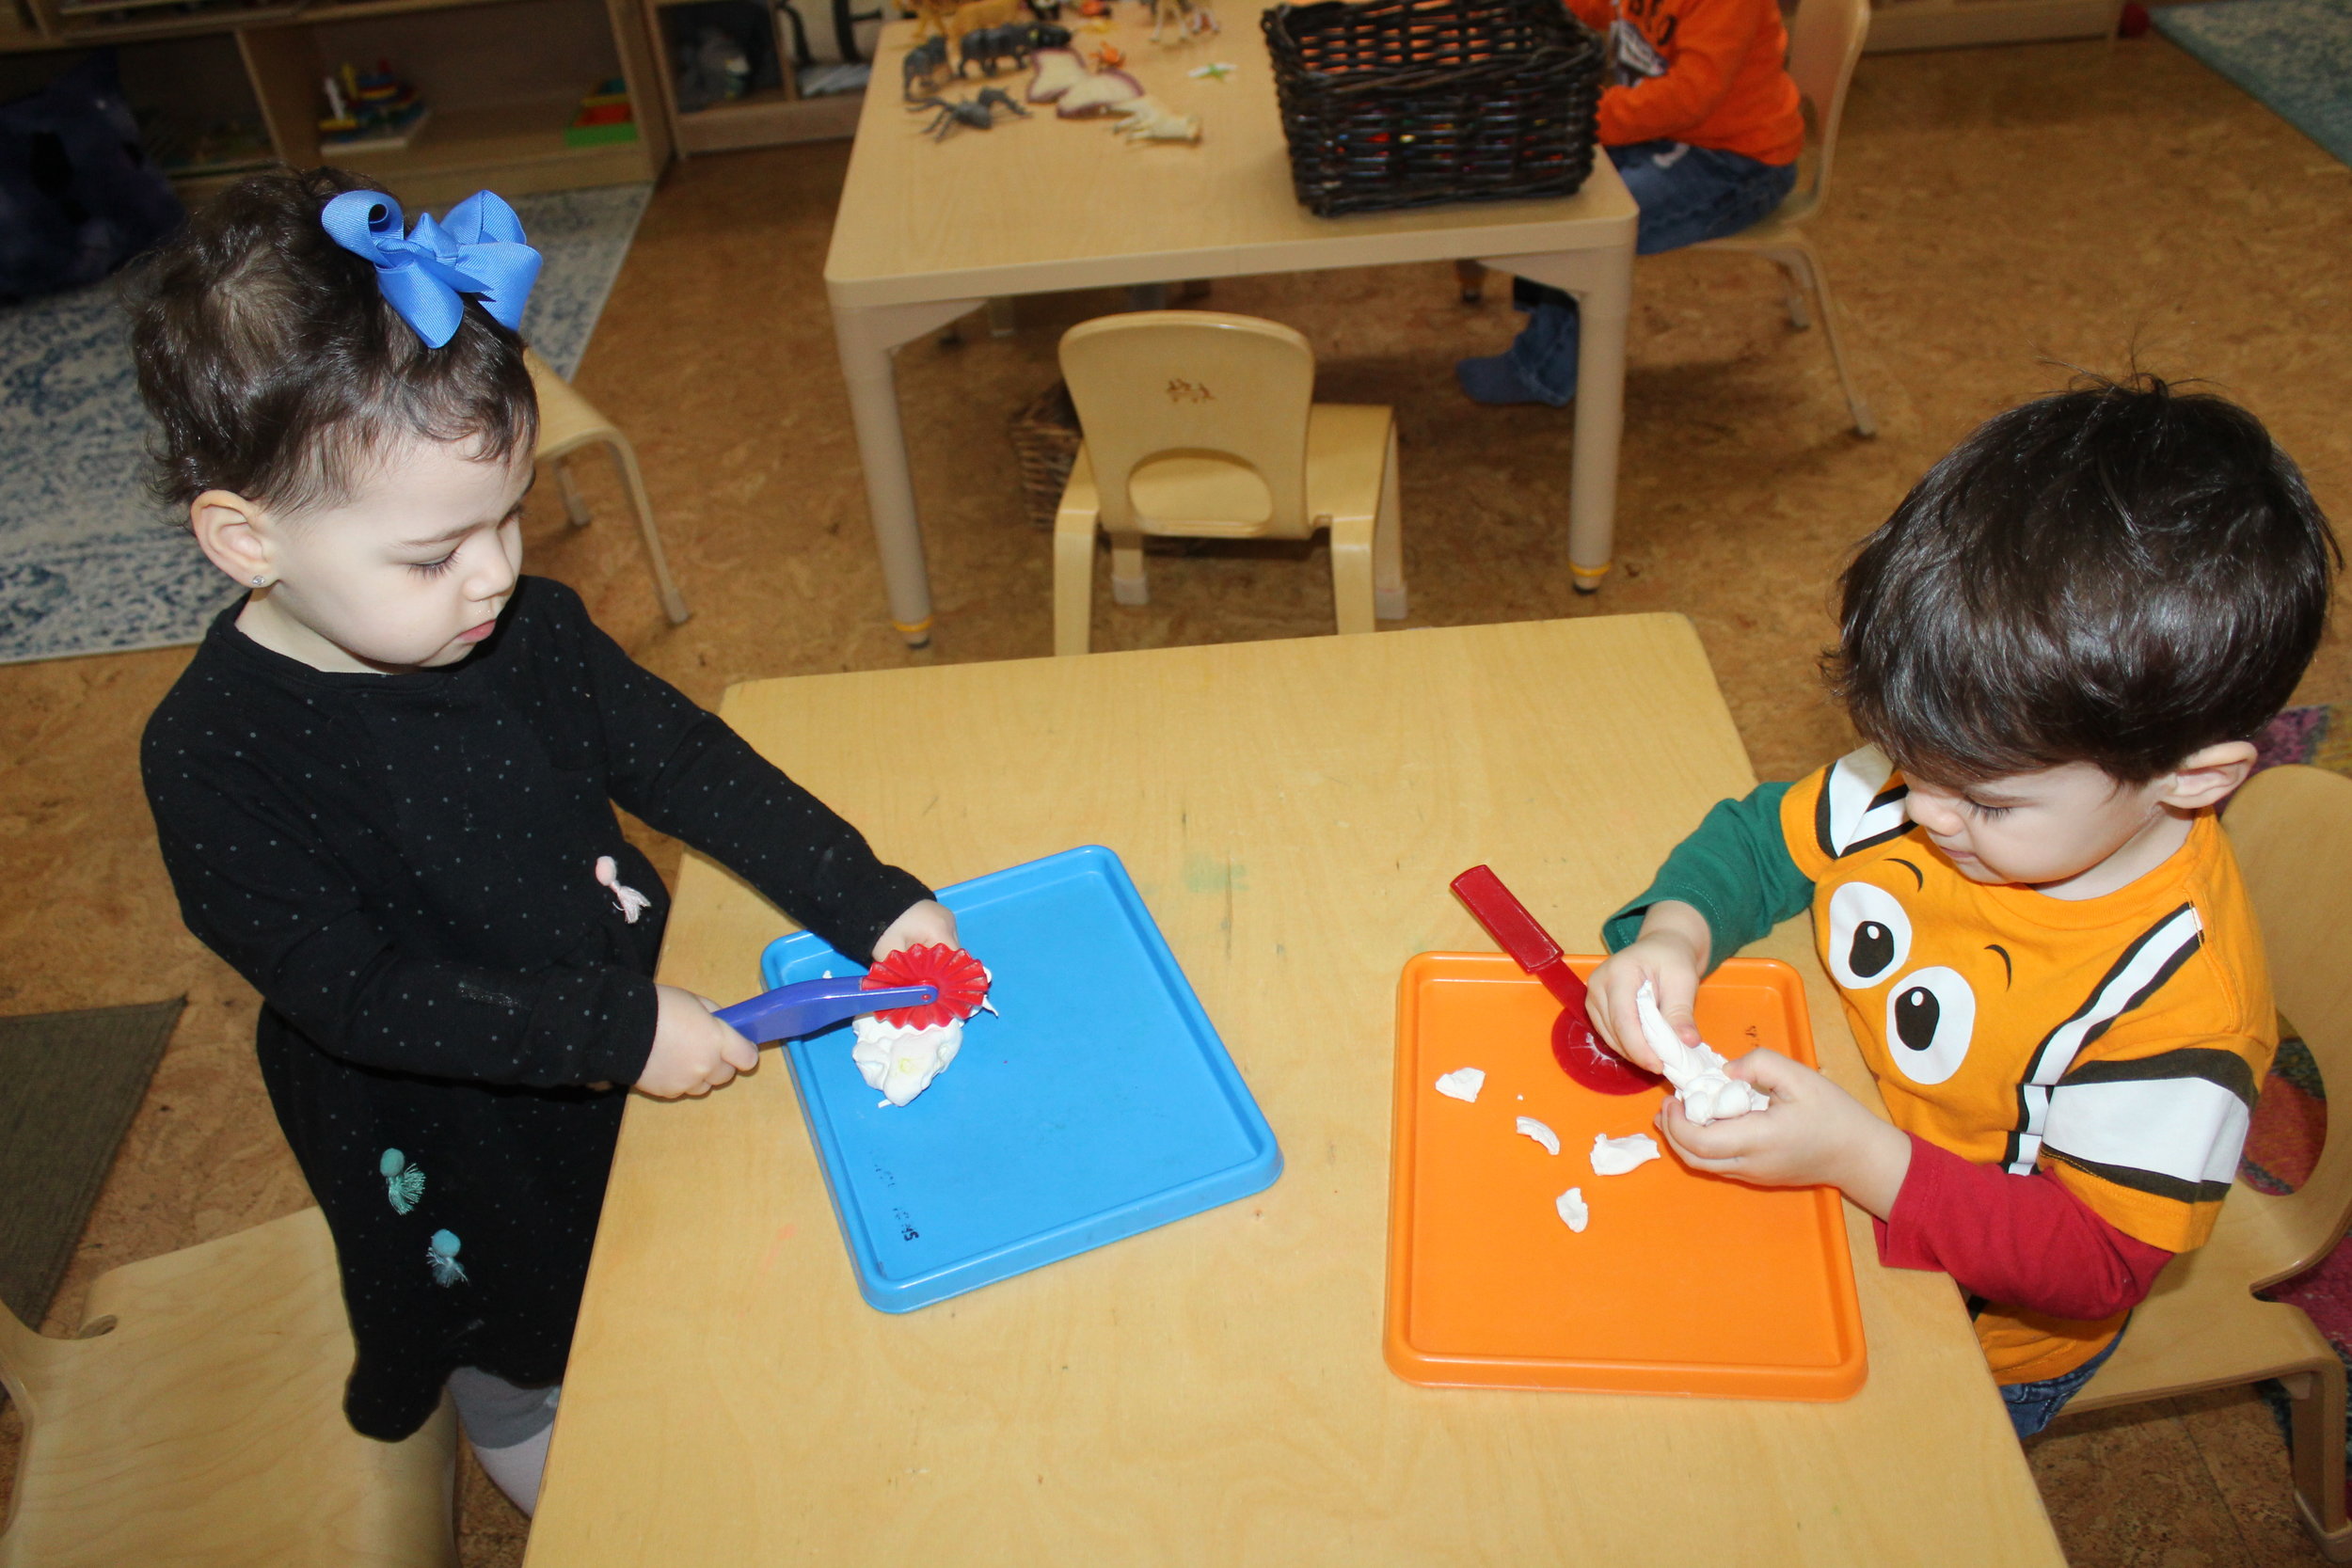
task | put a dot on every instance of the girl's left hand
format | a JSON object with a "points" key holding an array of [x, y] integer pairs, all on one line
{"points": [[928, 923], [1813, 1133]]}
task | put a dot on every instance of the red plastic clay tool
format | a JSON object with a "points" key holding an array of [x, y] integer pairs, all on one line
{"points": [[1579, 1051], [958, 976]]}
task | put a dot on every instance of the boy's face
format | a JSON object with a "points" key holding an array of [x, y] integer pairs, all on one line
{"points": [[409, 573], [2039, 827]]}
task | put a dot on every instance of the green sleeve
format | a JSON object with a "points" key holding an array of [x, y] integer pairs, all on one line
{"points": [[1736, 870]]}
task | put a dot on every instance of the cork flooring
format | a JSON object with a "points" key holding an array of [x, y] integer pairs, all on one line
{"points": [[1998, 214]]}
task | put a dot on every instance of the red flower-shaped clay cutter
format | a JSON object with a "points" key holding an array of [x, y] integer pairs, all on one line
{"points": [[957, 975], [1575, 1044]]}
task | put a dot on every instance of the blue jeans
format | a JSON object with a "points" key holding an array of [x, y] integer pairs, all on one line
{"points": [[1687, 193], [2034, 1405]]}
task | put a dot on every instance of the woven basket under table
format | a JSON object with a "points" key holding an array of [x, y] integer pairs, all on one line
{"points": [[1045, 436], [1411, 102]]}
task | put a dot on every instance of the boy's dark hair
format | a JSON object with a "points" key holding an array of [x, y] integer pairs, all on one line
{"points": [[2120, 574], [276, 368]]}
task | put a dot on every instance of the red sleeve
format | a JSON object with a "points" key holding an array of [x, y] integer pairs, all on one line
{"points": [[1595, 14], [2021, 1241], [1710, 42]]}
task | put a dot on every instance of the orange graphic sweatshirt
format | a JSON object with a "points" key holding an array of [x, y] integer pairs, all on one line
{"points": [[1708, 73]]}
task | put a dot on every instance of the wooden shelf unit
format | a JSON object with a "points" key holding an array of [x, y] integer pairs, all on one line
{"points": [[762, 119], [1957, 23], [503, 80]]}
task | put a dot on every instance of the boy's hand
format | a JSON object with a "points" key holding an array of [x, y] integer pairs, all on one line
{"points": [[929, 923], [692, 1052], [1670, 955], [1813, 1133]]}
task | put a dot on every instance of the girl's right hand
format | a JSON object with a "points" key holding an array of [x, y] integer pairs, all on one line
{"points": [[692, 1052], [1669, 956]]}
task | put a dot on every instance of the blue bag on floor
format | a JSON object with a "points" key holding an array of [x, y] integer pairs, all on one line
{"points": [[78, 195]]}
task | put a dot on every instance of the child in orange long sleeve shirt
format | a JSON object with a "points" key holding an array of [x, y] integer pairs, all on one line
{"points": [[1701, 123]]}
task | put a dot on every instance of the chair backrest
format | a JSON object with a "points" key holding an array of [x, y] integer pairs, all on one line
{"points": [[1191, 385], [2292, 828], [1825, 40], [198, 1419]]}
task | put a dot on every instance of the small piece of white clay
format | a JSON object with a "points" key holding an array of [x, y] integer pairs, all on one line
{"points": [[1463, 1084], [902, 1061], [1573, 1214], [1542, 1135], [1707, 1092], [1615, 1156]]}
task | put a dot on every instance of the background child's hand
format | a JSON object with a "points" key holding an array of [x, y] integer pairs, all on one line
{"points": [[929, 923], [1670, 955], [692, 1052], [1814, 1132]]}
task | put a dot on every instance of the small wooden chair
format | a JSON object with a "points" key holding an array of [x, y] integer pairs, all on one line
{"points": [[1203, 425], [1825, 38], [2202, 1327], [198, 1419], [568, 421]]}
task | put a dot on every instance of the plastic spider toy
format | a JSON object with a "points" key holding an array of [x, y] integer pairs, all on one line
{"points": [[978, 111]]}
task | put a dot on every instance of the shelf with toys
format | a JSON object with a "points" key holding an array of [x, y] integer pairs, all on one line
{"points": [[437, 98], [735, 77]]}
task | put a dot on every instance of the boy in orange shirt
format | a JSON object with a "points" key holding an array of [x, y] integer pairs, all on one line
{"points": [[1701, 123], [2059, 647]]}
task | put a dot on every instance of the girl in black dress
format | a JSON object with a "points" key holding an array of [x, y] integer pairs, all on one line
{"points": [[384, 788]]}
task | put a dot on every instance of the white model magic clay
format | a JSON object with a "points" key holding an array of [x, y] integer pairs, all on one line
{"points": [[1707, 1093], [1615, 1156], [1573, 1212], [902, 1061], [1530, 1128], [1462, 1083]]}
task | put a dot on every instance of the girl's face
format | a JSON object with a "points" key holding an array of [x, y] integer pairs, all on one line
{"points": [[409, 573]]}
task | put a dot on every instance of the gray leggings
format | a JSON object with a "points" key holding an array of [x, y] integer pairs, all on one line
{"points": [[496, 1413]]}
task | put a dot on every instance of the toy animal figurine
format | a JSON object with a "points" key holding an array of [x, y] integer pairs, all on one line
{"points": [[985, 46], [1044, 37], [1192, 19], [923, 65], [974, 15], [1147, 120], [978, 113]]}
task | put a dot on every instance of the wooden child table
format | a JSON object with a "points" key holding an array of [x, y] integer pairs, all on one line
{"points": [[1211, 1392], [929, 231]]}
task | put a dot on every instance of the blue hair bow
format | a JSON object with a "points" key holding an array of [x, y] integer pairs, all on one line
{"points": [[426, 276]]}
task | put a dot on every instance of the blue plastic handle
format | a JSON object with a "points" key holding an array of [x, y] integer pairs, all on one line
{"points": [[798, 1010]]}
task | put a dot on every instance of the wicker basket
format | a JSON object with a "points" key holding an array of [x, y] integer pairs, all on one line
{"points": [[1045, 436], [1411, 102]]}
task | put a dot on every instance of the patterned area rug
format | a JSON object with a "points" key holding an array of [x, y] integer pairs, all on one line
{"points": [[89, 563], [2294, 56]]}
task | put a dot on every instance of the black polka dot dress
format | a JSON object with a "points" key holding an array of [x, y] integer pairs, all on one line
{"points": [[407, 868]]}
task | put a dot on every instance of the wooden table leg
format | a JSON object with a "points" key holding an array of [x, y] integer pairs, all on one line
{"points": [[867, 338], [1603, 282]]}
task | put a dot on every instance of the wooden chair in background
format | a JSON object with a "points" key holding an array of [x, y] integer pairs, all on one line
{"points": [[568, 421], [2201, 1327], [198, 1419], [1825, 40], [1205, 424]]}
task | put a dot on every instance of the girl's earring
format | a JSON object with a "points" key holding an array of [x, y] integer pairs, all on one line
{"points": [[258, 580]]}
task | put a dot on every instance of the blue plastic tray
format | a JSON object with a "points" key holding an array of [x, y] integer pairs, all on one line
{"points": [[1101, 1102]]}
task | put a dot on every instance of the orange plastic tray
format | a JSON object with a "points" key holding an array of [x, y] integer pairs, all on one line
{"points": [[1682, 1283]]}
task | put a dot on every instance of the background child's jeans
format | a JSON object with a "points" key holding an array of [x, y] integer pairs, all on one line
{"points": [[1687, 193], [2033, 1405]]}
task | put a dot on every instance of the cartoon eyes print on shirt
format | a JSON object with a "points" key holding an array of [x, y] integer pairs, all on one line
{"points": [[1869, 935], [1930, 1016]]}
